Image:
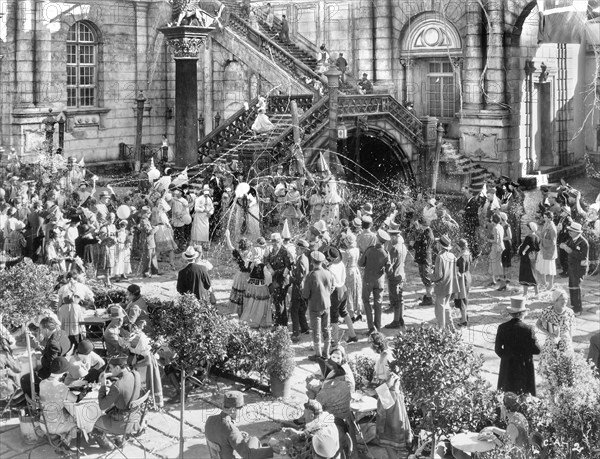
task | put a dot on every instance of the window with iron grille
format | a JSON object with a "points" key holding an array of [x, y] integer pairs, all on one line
{"points": [[82, 51], [440, 90]]}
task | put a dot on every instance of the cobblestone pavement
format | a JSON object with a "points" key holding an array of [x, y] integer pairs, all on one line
{"points": [[264, 416]]}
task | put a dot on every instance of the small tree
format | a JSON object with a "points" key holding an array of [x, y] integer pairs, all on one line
{"points": [[197, 333], [280, 362], [441, 377], [24, 292]]}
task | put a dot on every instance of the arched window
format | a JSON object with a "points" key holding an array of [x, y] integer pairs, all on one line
{"points": [[82, 54]]}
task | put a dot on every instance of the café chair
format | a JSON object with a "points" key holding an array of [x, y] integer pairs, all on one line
{"points": [[136, 424], [40, 425]]}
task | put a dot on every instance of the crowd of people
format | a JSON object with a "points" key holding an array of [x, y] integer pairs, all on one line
{"points": [[325, 264]]}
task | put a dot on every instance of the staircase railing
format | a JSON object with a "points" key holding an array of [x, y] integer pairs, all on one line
{"points": [[281, 104], [268, 47], [408, 123], [235, 126]]}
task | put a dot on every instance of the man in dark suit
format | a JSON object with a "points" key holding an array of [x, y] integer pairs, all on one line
{"points": [[577, 249], [57, 345], [376, 261], [516, 345], [475, 201], [194, 277], [317, 289], [298, 304], [222, 433]]}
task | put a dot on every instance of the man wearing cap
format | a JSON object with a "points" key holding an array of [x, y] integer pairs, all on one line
{"points": [[396, 274], [445, 282], [136, 308], [366, 238], [220, 431], [376, 262], [317, 289], [113, 340], [298, 304], [577, 249], [280, 263], [194, 277], [516, 345], [423, 246], [115, 399]]}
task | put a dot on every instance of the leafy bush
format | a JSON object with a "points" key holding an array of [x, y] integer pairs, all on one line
{"points": [[280, 362], [441, 377], [195, 331], [363, 368], [105, 296], [24, 292], [573, 406], [246, 351]]}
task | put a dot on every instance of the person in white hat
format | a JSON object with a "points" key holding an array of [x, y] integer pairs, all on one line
{"points": [[194, 277], [516, 345], [577, 249], [556, 322]]}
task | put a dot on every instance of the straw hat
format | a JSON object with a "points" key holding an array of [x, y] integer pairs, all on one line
{"points": [[190, 254]]}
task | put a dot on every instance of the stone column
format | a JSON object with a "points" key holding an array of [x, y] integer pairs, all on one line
{"points": [[333, 82], [44, 90], [408, 91], [25, 36], [208, 87], [473, 59], [186, 43], [383, 40], [495, 76]]}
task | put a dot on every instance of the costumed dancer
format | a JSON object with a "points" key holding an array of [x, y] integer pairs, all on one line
{"points": [[240, 280], [165, 242], [245, 220], [262, 124], [257, 299]]}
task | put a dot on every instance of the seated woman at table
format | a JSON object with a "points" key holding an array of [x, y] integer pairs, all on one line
{"points": [[333, 387], [53, 395], [382, 366], [85, 364]]}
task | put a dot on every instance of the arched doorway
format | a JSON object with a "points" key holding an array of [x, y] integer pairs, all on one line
{"points": [[373, 157]]}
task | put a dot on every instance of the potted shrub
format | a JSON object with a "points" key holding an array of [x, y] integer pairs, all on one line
{"points": [[280, 362]]}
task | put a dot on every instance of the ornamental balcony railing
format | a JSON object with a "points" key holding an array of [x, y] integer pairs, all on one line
{"points": [[295, 67], [233, 128], [384, 104], [281, 104]]}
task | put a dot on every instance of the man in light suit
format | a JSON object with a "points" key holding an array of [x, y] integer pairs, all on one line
{"points": [[220, 430], [194, 277]]}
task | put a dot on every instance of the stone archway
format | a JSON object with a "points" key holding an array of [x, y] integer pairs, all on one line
{"points": [[378, 159], [235, 88]]}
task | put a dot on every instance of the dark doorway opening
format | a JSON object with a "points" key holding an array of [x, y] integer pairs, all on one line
{"points": [[373, 160]]}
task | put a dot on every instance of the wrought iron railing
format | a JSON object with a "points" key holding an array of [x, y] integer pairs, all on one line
{"points": [[233, 128], [405, 120], [281, 104], [295, 67]]}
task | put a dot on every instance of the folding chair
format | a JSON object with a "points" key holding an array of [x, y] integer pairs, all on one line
{"points": [[214, 450], [136, 423], [36, 411]]}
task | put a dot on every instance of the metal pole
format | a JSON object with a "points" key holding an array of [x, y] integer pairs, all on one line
{"points": [[31, 369], [140, 100], [181, 411], [333, 81]]}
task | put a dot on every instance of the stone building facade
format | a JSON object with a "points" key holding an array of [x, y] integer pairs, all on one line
{"points": [[476, 70]]}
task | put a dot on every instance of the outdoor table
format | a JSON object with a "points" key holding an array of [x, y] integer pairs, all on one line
{"points": [[467, 442], [90, 318], [85, 412], [363, 403]]}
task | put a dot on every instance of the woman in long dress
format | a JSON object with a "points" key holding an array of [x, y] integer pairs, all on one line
{"points": [[270, 17], [245, 218], [350, 256], [262, 124], [496, 242], [556, 322], [528, 252], [240, 280], [257, 299], [546, 263], [164, 237], [108, 248], [203, 209], [124, 241], [463, 273]]}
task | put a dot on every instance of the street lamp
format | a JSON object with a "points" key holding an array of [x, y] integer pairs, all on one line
{"points": [[48, 126]]}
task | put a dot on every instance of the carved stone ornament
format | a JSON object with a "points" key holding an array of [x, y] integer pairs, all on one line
{"points": [[186, 47]]}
